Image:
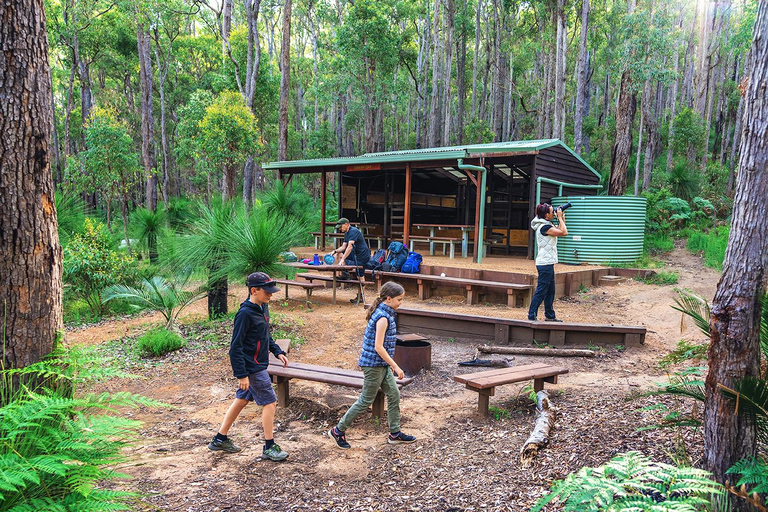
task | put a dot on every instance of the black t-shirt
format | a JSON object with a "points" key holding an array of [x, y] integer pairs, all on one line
{"points": [[545, 228], [361, 250]]}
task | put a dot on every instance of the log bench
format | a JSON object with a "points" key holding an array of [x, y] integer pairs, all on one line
{"points": [[281, 375], [518, 295], [484, 383], [432, 240], [306, 286]]}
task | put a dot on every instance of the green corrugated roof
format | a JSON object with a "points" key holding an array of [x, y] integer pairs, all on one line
{"points": [[414, 155]]}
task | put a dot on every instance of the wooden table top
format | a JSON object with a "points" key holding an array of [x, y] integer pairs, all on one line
{"points": [[321, 268]]}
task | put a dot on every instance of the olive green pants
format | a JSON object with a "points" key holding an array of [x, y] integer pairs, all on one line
{"points": [[376, 377]]}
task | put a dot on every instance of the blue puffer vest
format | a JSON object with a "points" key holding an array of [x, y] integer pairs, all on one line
{"points": [[369, 357]]}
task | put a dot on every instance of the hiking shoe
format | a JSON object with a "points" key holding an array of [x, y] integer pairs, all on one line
{"points": [[552, 320], [345, 275], [341, 439], [227, 446], [274, 453], [400, 438]]}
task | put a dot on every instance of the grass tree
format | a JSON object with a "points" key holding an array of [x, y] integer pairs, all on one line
{"points": [[146, 226], [157, 294]]}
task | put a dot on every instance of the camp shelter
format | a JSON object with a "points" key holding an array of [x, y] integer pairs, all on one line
{"points": [[392, 192]]}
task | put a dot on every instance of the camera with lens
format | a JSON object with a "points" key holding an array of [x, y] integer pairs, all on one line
{"points": [[563, 207]]}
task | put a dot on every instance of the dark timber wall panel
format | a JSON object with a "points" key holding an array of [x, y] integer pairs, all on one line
{"points": [[559, 164]]}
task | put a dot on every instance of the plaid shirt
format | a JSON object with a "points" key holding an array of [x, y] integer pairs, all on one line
{"points": [[369, 357]]}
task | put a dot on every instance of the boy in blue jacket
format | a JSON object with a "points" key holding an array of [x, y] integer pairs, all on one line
{"points": [[249, 356]]}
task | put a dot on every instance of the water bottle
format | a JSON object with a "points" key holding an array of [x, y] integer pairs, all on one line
{"points": [[316, 260]]}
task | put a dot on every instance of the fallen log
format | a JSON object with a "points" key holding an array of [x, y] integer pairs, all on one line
{"points": [[524, 351], [540, 435], [499, 363]]}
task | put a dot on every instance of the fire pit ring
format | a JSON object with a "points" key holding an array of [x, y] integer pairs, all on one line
{"points": [[412, 356]]}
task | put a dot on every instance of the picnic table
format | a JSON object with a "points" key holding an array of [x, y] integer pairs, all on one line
{"points": [[333, 269], [465, 229]]}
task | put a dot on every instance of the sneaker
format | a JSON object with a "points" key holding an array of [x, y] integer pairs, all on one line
{"points": [[341, 439], [531, 319], [345, 275], [274, 453], [355, 301], [552, 320], [227, 446], [400, 438]]}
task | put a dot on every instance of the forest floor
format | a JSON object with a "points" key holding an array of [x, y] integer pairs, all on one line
{"points": [[460, 462]]}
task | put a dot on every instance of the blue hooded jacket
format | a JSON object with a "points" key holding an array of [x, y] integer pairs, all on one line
{"points": [[251, 340]]}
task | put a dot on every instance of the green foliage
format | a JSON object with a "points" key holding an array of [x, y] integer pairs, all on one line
{"points": [[227, 132], [661, 277], [711, 246], [684, 352], [146, 226], [656, 243], [56, 450], [688, 133], [90, 265], [157, 294], [498, 413], [631, 482], [683, 179], [160, 341], [753, 473], [695, 307], [478, 131], [70, 215], [289, 203]]}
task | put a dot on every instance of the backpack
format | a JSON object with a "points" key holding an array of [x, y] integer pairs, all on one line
{"points": [[377, 259], [397, 254], [412, 264]]}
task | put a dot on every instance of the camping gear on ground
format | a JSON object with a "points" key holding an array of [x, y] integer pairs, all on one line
{"points": [[377, 259], [412, 264], [397, 253], [287, 257]]}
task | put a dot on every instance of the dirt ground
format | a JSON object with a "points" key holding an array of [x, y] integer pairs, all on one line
{"points": [[461, 462]]}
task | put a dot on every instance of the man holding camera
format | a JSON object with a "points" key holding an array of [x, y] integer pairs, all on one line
{"points": [[546, 257]]}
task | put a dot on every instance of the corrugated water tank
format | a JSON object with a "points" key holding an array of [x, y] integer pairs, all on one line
{"points": [[602, 229]]}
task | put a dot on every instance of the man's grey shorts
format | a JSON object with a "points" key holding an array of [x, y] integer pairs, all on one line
{"points": [[259, 389]]}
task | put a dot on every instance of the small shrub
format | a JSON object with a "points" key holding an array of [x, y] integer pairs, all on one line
{"points": [[710, 245], [683, 352], [498, 413], [159, 342], [662, 278]]}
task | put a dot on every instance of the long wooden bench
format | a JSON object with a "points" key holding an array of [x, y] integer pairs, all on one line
{"points": [[432, 240], [305, 285], [484, 383], [282, 375], [328, 279], [518, 295]]}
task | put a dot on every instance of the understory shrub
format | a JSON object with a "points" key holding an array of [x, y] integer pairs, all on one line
{"points": [[631, 481], [711, 245], [58, 447], [159, 342]]}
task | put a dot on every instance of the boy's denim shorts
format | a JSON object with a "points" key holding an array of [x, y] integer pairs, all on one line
{"points": [[259, 389]]}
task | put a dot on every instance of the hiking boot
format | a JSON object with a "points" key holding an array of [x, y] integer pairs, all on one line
{"points": [[274, 453], [345, 275], [227, 446], [552, 320], [341, 439], [400, 438]]}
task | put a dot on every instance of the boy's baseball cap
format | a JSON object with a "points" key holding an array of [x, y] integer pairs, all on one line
{"points": [[263, 281], [341, 222]]}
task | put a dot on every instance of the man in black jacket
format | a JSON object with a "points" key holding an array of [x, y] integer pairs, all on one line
{"points": [[249, 356]]}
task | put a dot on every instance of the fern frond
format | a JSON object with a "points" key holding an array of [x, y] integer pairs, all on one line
{"points": [[751, 395]]}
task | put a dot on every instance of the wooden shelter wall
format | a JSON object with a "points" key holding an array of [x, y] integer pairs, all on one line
{"points": [[559, 164]]}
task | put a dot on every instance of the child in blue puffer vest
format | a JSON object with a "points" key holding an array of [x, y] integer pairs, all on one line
{"points": [[376, 361]]}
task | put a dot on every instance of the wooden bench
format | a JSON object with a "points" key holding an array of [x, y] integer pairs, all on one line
{"points": [[432, 240], [518, 295], [282, 375], [329, 279], [484, 383], [306, 286]]}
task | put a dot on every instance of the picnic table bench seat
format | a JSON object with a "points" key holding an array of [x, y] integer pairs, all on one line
{"points": [[328, 279], [484, 383], [307, 286], [432, 240], [282, 375], [518, 295]]}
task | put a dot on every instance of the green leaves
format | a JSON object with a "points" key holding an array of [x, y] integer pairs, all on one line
{"points": [[632, 482]]}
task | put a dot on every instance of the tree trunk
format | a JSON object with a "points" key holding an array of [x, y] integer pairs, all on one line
{"points": [[625, 114], [734, 350], [449, 17], [434, 115], [474, 62], [461, 67], [581, 80], [499, 79], [650, 125], [558, 122], [30, 267], [163, 72], [285, 84], [672, 100], [147, 117]]}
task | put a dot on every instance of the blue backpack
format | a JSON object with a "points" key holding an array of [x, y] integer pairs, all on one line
{"points": [[412, 264], [397, 254], [377, 259]]}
